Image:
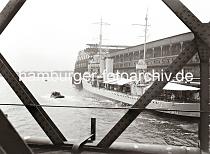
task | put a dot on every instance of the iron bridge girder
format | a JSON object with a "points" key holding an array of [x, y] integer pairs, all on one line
{"points": [[202, 34]]}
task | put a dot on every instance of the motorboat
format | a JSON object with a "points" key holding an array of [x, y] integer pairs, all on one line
{"points": [[56, 94]]}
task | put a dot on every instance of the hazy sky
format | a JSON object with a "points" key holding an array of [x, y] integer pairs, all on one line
{"points": [[48, 34]]}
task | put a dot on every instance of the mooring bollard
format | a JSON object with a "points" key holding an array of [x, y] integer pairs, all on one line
{"points": [[93, 129]]}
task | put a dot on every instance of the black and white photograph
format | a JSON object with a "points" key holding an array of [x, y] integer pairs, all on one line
{"points": [[104, 76]]}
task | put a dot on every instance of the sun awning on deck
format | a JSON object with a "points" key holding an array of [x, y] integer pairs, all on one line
{"points": [[179, 87], [110, 81], [121, 82]]}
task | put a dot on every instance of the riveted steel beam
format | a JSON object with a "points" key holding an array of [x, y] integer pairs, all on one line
{"points": [[10, 141], [202, 37], [20, 89], [156, 88], [30, 102], [9, 11], [202, 32], [204, 95]]}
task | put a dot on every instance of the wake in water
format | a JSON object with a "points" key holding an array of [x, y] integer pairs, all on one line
{"points": [[147, 128]]}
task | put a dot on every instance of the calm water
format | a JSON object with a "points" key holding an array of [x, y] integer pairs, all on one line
{"points": [[75, 123]]}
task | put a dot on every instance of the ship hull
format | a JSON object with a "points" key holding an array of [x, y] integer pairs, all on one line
{"points": [[174, 108]]}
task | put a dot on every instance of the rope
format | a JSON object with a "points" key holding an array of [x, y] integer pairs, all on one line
{"points": [[103, 108]]}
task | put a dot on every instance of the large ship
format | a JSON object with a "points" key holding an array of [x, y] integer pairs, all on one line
{"points": [[173, 100], [177, 98]]}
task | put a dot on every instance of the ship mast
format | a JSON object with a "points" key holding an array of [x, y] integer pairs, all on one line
{"points": [[141, 65], [145, 34], [101, 23], [100, 43]]}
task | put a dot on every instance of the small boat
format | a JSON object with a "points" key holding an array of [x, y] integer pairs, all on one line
{"points": [[56, 94]]}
